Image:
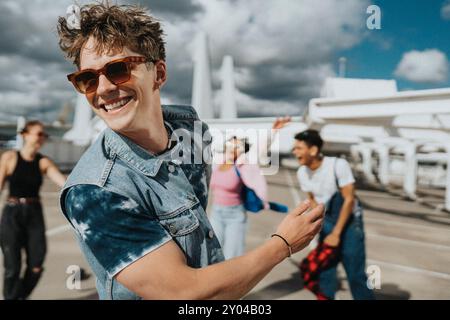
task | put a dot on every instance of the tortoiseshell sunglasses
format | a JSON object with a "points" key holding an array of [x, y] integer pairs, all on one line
{"points": [[116, 71]]}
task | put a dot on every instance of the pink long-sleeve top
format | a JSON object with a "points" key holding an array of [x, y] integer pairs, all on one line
{"points": [[227, 186]]}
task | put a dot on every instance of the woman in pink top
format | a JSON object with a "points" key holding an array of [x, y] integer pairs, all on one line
{"points": [[229, 218]]}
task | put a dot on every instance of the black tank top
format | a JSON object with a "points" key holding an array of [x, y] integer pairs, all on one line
{"points": [[26, 179]]}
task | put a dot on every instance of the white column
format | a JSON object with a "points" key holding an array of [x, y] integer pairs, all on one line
{"points": [[365, 150], [228, 100], [21, 121], [81, 132], [447, 184], [410, 178], [201, 87], [383, 166]]}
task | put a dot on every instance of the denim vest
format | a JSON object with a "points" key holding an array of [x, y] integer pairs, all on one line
{"points": [[174, 191]]}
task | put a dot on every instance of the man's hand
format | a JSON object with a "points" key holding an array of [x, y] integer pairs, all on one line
{"points": [[332, 240], [299, 227]]}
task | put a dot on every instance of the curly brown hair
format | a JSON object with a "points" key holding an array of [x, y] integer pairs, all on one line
{"points": [[113, 27]]}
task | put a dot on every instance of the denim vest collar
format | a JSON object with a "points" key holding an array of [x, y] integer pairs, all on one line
{"points": [[119, 145]]}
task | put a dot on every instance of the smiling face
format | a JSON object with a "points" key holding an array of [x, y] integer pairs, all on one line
{"points": [[304, 153], [131, 106]]}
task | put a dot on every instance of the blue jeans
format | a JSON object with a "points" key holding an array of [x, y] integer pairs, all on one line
{"points": [[230, 225], [353, 257]]}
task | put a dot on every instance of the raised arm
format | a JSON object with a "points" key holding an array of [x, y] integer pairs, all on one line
{"points": [[261, 149], [164, 274]]}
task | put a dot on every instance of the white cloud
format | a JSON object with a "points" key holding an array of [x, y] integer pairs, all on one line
{"points": [[281, 48], [17, 99], [428, 66], [252, 106], [32, 89], [272, 31], [445, 10]]}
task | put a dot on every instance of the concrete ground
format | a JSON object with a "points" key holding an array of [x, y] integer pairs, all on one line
{"points": [[409, 243]]}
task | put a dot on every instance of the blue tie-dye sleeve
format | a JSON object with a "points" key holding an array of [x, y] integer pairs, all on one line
{"points": [[114, 227]]}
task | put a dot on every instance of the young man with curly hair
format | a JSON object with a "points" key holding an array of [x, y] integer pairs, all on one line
{"points": [[138, 211]]}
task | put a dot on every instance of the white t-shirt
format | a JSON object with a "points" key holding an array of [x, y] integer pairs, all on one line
{"points": [[322, 181]]}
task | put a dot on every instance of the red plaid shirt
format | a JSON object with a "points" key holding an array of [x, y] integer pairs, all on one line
{"points": [[317, 260]]}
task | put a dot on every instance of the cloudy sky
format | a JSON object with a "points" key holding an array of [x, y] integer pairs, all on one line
{"points": [[283, 49]]}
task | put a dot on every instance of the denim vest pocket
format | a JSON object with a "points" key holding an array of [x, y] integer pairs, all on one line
{"points": [[180, 222]]}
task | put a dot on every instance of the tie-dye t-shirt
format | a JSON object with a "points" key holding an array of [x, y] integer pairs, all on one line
{"points": [[114, 227]]}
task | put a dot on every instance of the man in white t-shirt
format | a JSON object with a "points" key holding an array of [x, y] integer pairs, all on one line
{"points": [[321, 183], [330, 181]]}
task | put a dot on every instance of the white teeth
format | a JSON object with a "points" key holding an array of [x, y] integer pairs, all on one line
{"points": [[117, 104]]}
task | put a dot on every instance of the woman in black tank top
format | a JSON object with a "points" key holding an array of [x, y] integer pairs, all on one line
{"points": [[26, 179], [22, 224]]}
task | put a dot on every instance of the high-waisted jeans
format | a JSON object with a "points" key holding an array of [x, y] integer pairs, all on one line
{"points": [[230, 225], [22, 227]]}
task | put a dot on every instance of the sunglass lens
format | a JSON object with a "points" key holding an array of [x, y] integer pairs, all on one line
{"points": [[118, 72], [86, 81]]}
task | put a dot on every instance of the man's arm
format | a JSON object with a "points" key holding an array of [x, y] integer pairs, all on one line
{"points": [[164, 274], [348, 193]]}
